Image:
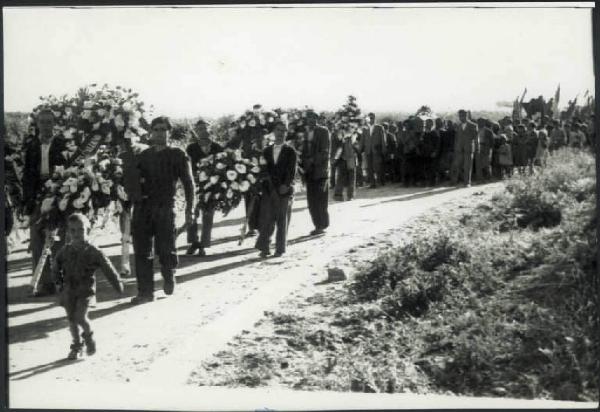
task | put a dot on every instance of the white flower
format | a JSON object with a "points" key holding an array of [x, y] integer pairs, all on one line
{"points": [[224, 185], [220, 166], [121, 193], [237, 154], [88, 104], [47, 204], [119, 207], [96, 126], [271, 120], [251, 179], [244, 186], [128, 134], [254, 160], [252, 123], [68, 111], [127, 106], [255, 169], [217, 195], [203, 176], [95, 186], [206, 197], [119, 122], [240, 168], [231, 174], [101, 112], [262, 161], [86, 114], [229, 193], [214, 179], [85, 194], [64, 202], [78, 203], [106, 185], [242, 124], [56, 114], [206, 186], [235, 186], [221, 155]]}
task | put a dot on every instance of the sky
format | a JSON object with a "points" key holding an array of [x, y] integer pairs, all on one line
{"points": [[201, 61]]}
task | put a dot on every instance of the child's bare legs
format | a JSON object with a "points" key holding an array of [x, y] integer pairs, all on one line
{"points": [[81, 317]]}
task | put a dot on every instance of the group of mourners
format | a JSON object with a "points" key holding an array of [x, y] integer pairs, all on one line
{"points": [[414, 151]]}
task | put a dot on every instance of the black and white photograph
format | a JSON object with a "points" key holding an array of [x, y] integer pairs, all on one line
{"points": [[320, 206]]}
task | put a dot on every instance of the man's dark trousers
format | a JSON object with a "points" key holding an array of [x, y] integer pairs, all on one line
{"points": [[152, 220], [275, 212], [207, 225], [317, 196]]}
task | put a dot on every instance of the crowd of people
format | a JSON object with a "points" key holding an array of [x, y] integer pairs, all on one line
{"points": [[417, 151]]}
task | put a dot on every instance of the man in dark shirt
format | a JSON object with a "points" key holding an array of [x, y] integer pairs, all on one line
{"points": [[160, 166], [201, 147]]}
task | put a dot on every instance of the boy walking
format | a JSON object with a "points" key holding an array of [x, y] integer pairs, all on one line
{"points": [[74, 268]]}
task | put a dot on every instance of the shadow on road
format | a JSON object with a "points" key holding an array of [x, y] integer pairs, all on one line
{"points": [[419, 195], [36, 370]]}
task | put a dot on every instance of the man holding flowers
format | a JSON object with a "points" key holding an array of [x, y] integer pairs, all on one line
{"points": [[160, 166], [200, 148], [43, 152], [277, 192]]}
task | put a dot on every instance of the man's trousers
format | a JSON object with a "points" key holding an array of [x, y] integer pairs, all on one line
{"points": [[317, 197], [463, 160], [275, 212], [207, 225], [346, 178], [153, 222]]}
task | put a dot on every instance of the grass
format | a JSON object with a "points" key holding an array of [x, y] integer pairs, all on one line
{"points": [[501, 301]]}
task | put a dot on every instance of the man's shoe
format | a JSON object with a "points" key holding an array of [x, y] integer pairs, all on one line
{"points": [[139, 299], [76, 351], [192, 248], [201, 252], [318, 231], [278, 254], [251, 233], [264, 254], [169, 285], [90, 344]]}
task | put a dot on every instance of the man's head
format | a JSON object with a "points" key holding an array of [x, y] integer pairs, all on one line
{"points": [[462, 115], [386, 126], [45, 123], [429, 124], [202, 134], [161, 130], [531, 126], [279, 131], [311, 119], [371, 118], [439, 123], [78, 227]]}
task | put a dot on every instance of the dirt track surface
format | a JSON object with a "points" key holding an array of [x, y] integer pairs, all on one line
{"points": [[216, 297]]}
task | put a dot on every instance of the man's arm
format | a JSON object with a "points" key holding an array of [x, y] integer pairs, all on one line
{"points": [[185, 175], [321, 157], [290, 174]]}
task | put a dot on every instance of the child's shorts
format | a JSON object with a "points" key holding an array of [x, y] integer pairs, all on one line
{"points": [[72, 302]]}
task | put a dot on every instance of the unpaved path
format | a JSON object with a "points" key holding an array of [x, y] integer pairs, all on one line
{"points": [[149, 346]]}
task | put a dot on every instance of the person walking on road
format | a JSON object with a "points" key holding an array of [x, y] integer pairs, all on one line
{"points": [[160, 167], [465, 146]]}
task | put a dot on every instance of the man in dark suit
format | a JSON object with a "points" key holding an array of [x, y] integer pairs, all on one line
{"points": [[374, 148], [201, 147], [315, 162], [43, 152], [277, 194], [466, 145]]}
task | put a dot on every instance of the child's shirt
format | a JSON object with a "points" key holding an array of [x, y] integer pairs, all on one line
{"points": [[74, 269]]}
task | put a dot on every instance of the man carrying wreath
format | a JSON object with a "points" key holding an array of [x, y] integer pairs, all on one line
{"points": [[277, 192], [202, 147], [160, 166], [43, 152]]}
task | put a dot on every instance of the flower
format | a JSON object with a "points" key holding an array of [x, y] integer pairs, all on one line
{"points": [[255, 169], [262, 161], [235, 186], [240, 168], [64, 202], [119, 122], [129, 134], [121, 193], [203, 176], [105, 187], [231, 174], [95, 186], [229, 193], [214, 179], [220, 166], [78, 203], [251, 179], [85, 194], [206, 197], [221, 155], [88, 104], [224, 185], [252, 123], [47, 204], [101, 112], [119, 207], [86, 114], [244, 186], [217, 195]]}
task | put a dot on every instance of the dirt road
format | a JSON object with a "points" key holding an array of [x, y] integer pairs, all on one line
{"points": [[146, 347]]}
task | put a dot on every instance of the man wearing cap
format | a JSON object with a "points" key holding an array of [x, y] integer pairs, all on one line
{"points": [[315, 162], [201, 147], [43, 153], [374, 148], [466, 144], [160, 167]]}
